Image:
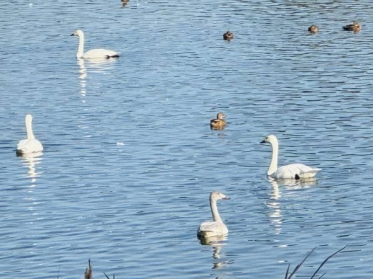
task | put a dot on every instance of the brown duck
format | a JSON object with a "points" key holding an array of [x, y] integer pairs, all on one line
{"points": [[228, 36], [355, 26], [218, 123], [313, 29]]}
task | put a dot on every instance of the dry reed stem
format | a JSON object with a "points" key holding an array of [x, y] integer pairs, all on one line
{"points": [[287, 276]]}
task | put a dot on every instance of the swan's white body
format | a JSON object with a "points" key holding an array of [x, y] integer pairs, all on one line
{"points": [[30, 144], [292, 171], [216, 227], [98, 53]]}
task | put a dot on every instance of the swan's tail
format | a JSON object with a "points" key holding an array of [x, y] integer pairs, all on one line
{"points": [[315, 170], [309, 174]]}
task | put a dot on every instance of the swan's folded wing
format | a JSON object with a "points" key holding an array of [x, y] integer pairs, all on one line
{"points": [[293, 170], [29, 146], [100, 53], [21, 144], [208, 229]]}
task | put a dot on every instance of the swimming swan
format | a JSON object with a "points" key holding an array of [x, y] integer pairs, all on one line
{"points": [[31, 144], [216, 227], [292, 171], [98, 53]]}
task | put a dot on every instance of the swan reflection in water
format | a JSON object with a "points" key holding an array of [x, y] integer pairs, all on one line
{"points": [[31, 160], [294, 184], [275, 205], [94, 66], [274, 202], [216, 242], [82, 77]]}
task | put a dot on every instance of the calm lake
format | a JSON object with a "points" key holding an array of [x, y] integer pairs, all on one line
{"points": [[129, 159]]}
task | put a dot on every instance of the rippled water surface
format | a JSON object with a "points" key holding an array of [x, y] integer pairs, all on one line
{"points": [[129, 159]]}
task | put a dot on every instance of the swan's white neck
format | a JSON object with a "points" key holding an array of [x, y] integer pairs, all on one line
{"points": [[80, 52], [273, 165], [215, 212], [30, 134]]}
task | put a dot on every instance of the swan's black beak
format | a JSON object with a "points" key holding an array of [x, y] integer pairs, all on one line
{"points": [[72, 34], [263, 141]]}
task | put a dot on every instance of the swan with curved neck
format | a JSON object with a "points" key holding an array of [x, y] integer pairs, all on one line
{"points": [[98, 53], [216, 227], [30, 144], [292, 171]]}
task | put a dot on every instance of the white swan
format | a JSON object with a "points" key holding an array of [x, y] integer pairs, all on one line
{"points": [[98, 53], [292, 171], [216, 227], [30, 144]]}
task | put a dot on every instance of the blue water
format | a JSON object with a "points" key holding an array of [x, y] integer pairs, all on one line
{"points": [[129, 159]]}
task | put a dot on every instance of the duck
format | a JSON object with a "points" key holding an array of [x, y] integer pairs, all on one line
{"points": [[355, 27], [30, 144], [216, 227], [88, 271], [98, 53], [218, 123], [313, 29], [228, 36], [292, 171]]}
